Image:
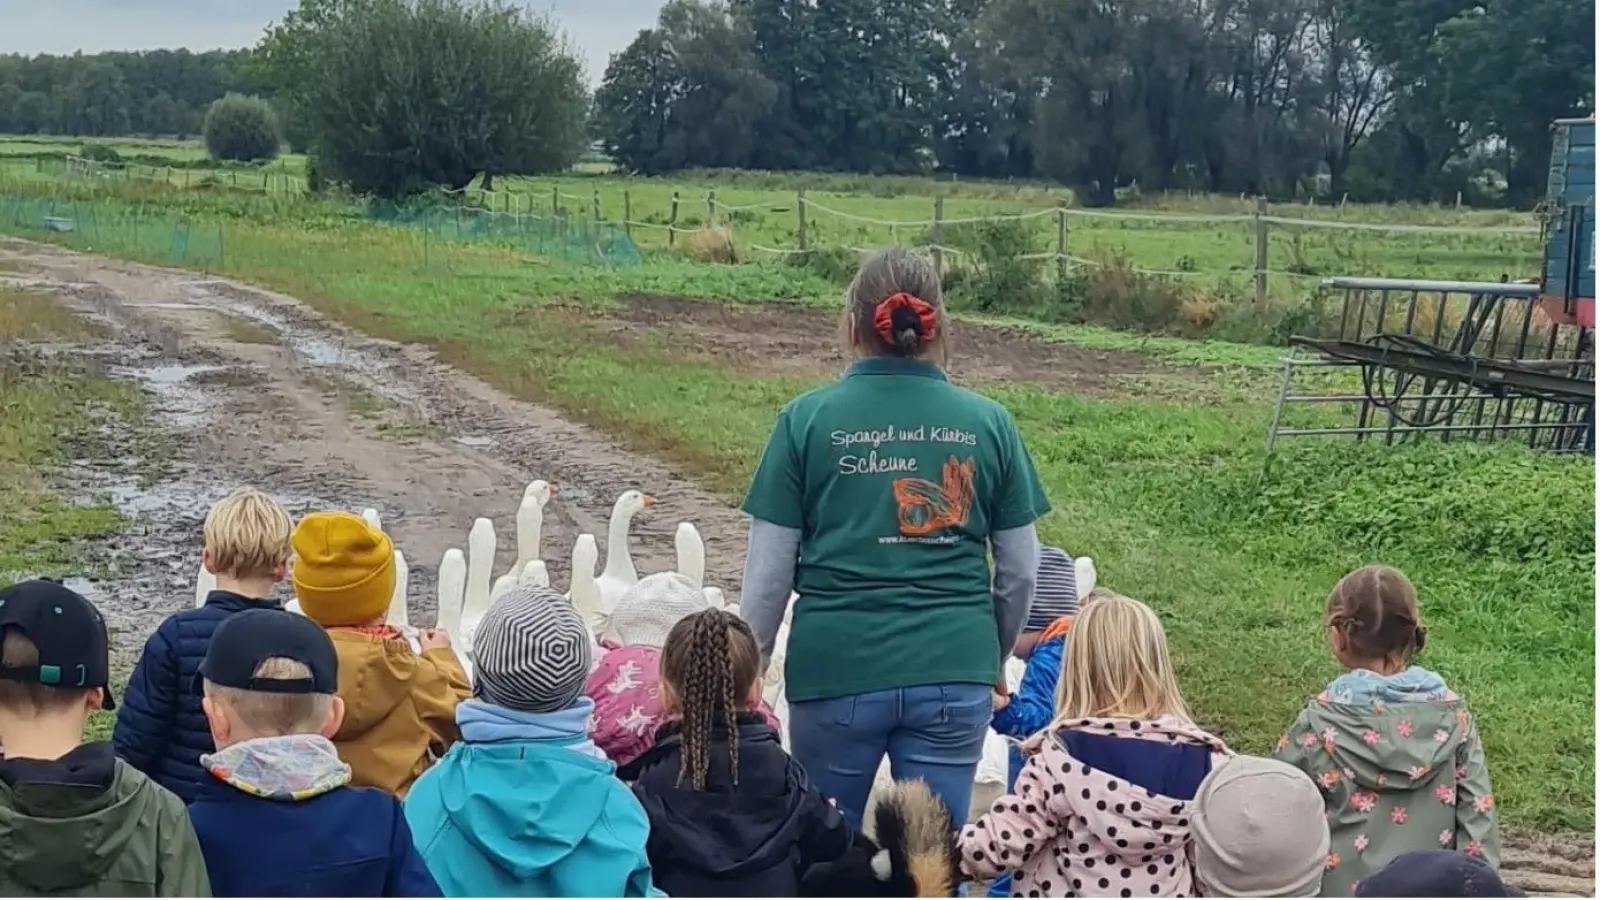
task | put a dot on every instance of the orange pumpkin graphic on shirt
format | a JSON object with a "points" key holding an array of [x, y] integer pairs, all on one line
{"points": [[926, 506]]}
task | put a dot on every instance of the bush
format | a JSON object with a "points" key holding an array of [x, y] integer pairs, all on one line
{"points": [[104, 153], [835, 264], [714, 245], [1000, 280], [242, 129]]}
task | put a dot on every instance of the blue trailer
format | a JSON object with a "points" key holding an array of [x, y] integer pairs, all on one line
{"points": [[1569, 252]]}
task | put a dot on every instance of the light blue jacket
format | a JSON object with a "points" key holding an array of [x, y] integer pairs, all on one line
{"points": [[523, 806]]}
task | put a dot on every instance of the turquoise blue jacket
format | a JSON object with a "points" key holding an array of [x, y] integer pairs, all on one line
{"points": [[530, 809]]}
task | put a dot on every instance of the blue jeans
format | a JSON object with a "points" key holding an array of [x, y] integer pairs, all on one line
{"points": [[933, 732]]}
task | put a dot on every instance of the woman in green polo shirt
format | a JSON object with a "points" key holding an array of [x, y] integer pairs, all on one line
{"points": [[878, 499]]}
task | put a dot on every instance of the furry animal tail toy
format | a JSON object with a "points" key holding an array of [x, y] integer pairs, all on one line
{"points": [[911, 852]]}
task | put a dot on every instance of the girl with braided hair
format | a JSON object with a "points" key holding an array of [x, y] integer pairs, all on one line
{"points": [[1395, 751], [731, 814]]}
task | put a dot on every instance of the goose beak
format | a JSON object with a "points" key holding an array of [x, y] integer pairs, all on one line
{"points": [[649, 500], [553, 490]]}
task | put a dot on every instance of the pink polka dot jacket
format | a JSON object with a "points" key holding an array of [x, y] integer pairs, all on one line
{"points": [[1074, 828]]}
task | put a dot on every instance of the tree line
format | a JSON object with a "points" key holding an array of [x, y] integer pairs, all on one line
{"points": [[1371, 99], [158, 93]]}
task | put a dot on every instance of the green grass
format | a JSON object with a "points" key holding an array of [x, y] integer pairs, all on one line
{"points": [[1170, 496], [42, 424], [761, 210]]}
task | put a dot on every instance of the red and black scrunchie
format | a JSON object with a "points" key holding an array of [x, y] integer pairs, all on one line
{"points": [[899, 311]]}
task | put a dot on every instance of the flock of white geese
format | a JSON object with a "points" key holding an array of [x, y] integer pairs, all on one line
{"points": [[467, 586]]}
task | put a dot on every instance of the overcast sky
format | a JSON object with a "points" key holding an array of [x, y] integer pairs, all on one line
{"points": [[598, 27]]}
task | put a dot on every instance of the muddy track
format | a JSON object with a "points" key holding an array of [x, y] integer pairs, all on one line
{"points": [[252, 387], [292, 415]]}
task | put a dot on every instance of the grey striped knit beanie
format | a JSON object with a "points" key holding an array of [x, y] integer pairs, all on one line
{"points": [[1056, 593], [531, 651]]}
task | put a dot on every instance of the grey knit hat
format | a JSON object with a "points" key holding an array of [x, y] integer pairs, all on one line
{"points": [[1056, 593], [1259, 830], [646, 612], [531, 651]]}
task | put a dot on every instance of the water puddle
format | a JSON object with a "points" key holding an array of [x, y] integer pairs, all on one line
{"points": [[323, 353], [180, 402]]}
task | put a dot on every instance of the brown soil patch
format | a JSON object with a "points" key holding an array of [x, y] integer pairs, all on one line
{"points": [[803, 341]]}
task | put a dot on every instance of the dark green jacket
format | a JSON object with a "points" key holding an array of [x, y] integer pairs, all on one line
{"points": [[90, 825]]}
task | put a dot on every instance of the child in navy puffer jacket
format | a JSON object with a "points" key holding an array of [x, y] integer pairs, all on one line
{"points": [[160, 729]]}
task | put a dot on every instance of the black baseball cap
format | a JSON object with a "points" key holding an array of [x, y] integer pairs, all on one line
{"points": [[70, 634], [246, 639]]}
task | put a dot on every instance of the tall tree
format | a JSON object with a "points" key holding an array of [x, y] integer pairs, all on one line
{"points": [[398, 95]]}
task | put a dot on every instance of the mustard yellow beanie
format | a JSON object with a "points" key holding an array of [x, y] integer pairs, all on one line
{"points": [[343, 569]]}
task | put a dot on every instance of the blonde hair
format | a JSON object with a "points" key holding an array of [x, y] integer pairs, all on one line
{"points": [[28, 698], [247, 533], [1117, 665], [268, 714]]}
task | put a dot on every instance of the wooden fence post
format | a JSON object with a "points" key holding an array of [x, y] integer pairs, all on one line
{"points": [[555, 201], [711, 208], [1061, 246], [672, 221], [627, 214], [800, 219], [938, 236], [597, 217], [1261, 251]]}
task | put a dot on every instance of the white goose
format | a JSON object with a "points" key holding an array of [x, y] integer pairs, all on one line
{"points": [[452, 592], [530, 524], [691, 554], [620, 574], [535, 573], [399, 613], [1085, 575], [584, 590], [480, 561], [204, 584]]}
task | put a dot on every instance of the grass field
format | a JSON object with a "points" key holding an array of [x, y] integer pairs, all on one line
{"points": [[844, 211], [1171, 496]]}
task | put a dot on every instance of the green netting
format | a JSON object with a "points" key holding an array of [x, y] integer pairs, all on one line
{"points": [[112, 226], [562, 237]]}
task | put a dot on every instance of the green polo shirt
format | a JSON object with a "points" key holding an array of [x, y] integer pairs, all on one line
{"points": [[895, 478]]}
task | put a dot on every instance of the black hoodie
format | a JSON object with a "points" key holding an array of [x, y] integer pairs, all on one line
{"points": [[753, 839]]}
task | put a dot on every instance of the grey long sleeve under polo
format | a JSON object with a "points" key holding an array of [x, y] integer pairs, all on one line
{"points": [[774, 554]]}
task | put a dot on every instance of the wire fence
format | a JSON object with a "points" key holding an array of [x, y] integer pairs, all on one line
{"points": [[567, 237], [256, 179], [98, 226], [1270, 247], [156, 233]]}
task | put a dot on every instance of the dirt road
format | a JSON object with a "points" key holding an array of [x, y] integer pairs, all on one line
{"points": [[251, 387], [254, 388]]}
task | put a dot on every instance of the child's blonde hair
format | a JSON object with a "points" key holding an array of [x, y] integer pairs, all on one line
{"points": [[267, 714], [247, 533], [1117, 665]]}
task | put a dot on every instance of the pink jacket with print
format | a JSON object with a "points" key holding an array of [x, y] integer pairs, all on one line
{"points": [[626, 690], [1071, 830]]}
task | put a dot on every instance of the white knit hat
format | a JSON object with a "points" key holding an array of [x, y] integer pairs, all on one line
{"points": [[1259, 830], [648, 610]]}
